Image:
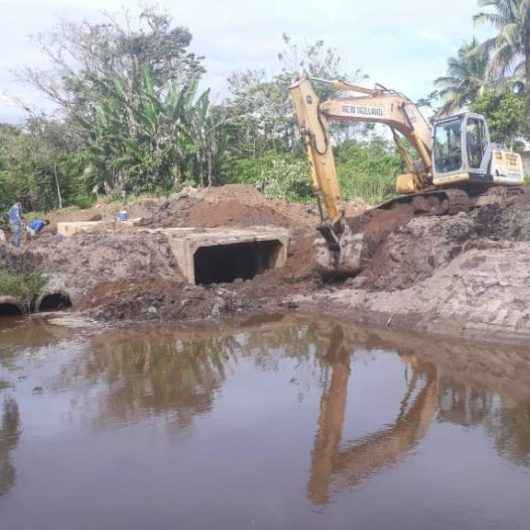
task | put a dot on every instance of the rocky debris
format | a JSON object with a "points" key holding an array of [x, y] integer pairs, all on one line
{"points": [[156, 299]]}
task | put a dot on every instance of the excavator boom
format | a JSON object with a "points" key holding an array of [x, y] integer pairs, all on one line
{"points": [[463, 158], [338, 251]]}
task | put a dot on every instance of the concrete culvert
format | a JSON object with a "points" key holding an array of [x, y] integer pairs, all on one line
{"points": [[226, 263], [54, 302], [10, 307]]}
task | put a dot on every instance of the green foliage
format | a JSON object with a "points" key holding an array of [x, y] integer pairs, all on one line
{"points": [[465, 79], [152, 143], [368, 170], [277, 175], [134, 121], [508, 52], [506, 113], [24, 287]]}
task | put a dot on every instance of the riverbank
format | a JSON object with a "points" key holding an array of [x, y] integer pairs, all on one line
{"points": [[466, 274]]}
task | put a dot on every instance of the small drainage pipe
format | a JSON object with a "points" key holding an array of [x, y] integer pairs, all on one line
{"points": [[53, 301], [11, 306]]}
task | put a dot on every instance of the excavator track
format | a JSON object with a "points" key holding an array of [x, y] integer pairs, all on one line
{"points": [[453, 201]]}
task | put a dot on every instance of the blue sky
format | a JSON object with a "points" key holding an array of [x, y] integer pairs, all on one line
{"points": [[402, 45]]}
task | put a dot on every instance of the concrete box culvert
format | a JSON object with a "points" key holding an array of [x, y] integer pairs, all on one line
{"points": [[221, 255], [68, 229], [11, 306]]}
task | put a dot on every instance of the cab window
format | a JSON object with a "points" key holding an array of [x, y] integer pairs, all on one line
{"points": [[476, 142], [448, 147]]}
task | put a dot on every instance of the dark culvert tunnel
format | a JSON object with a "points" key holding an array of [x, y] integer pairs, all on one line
{"points": [[10, 310], [226, 263], [54, 302]]}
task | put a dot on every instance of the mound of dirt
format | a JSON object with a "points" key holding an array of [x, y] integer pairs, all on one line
{"points": [[419, 269], [89, 258], [231, 205], [232, 213], [156, 299], [414, 251]]}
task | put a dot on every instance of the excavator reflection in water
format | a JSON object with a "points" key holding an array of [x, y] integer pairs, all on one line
{"points": [[344, 466], [178, 375]]}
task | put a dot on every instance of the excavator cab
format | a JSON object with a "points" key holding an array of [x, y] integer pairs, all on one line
{"points": [[463, 153]]}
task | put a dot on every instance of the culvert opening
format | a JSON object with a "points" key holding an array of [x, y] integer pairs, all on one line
{"points": [[226, 263], [9, 310], [55, 302]]}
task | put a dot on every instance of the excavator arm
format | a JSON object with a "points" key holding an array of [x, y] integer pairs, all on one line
{"points": [[338, 252]]}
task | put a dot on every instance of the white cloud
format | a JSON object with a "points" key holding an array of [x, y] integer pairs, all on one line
{"points": [[399, 44]]}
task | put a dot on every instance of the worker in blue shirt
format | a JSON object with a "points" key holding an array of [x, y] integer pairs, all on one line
{"points": [[15, 223], [36, 226]]}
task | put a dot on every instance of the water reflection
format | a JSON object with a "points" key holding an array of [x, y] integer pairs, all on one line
{"points": [[360, 459], [9, 437], [177, 377], [162, 373]]}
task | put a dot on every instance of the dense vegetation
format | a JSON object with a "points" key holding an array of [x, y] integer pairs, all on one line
{"points": [[133, 119], [25, 287]]}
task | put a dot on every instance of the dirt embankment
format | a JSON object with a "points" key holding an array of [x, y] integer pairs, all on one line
{"points": [[464, 274], [467, 273], [122, 273]]}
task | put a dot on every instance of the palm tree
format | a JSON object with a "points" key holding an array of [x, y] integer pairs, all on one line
{"points": [[466, 76], [508, 52]]}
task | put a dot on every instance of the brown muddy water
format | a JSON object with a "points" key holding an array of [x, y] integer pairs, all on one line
{"points": [[274, 424]]}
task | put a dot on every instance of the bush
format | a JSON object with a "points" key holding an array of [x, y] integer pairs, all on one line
{"points": [[25, 287], [368, 170], [277, 176], [82, 201]]}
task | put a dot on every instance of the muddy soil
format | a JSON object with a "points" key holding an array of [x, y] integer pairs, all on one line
{"points": [[120, 273], [462, 273], [465, 274]]}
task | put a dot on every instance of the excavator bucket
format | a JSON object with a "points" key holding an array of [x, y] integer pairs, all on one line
{"points": [[406, 184], [338, 257]]}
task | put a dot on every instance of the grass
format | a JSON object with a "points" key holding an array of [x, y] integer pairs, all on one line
{"points": [[371, 189], [24, 287]]}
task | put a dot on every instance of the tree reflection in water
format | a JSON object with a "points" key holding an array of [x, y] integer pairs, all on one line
{"points": [[9, 438], [148, 374]]}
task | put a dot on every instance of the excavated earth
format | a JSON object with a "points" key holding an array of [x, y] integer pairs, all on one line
{"points": [[463, 274]]}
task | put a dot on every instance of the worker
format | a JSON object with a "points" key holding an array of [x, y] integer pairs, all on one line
{"points": [[15, 224], [36, 226]]}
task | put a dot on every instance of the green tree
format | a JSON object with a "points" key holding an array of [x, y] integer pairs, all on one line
{"points": [[88, 58], [155, 142], [506, 114], [368, 168], [127, 89], [508, 52], [465, 79]]}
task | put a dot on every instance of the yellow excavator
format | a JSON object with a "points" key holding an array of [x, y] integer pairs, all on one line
{"points": [[455, 163]]}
